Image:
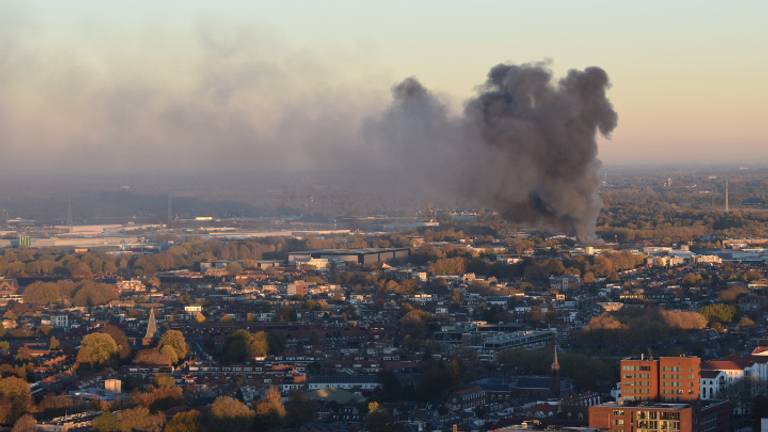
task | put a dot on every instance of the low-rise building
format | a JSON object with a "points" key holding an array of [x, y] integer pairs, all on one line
{"points": [[345, 382], [662, 417]]}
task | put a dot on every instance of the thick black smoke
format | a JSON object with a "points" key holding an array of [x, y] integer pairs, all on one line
{"points": [[240, 102], [525, 145]]}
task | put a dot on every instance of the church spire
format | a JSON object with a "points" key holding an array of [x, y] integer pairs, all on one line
{"points": [[555, 364], [555, 390], [149, 336]]}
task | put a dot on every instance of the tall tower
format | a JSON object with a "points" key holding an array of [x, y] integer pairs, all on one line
{"points": [[555, 375], [69, 212], [170, 208], [727, 206], [149, 336]]}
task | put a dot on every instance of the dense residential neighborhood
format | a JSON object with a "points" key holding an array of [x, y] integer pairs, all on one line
{"points": [[383, 216], [460, 324]]}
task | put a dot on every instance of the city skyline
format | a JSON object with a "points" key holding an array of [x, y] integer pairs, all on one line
{"points": [[359, 216]]}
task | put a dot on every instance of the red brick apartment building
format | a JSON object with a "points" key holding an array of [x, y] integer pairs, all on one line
{"points": [[642, 417], [712, 416], [661, 395], [667, 379]]}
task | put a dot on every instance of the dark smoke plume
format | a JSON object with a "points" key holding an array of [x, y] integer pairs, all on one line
{"points": [[237, 100], [525, 145]]}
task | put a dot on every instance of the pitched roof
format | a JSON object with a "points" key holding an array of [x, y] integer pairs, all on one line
{"points": [[710, 373], [726, 364]]}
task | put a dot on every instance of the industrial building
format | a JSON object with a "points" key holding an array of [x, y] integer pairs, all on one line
{"points": [[352, 256]]}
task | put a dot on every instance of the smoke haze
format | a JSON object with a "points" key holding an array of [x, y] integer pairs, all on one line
{"points": [[245, 101], [216, 98]]}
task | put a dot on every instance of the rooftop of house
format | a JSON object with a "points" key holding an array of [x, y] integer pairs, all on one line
{"points": [[726, 364]]}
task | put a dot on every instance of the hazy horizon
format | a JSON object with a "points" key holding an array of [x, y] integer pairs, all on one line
{"points": [[101, 88]]}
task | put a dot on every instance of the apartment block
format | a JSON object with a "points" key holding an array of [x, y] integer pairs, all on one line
{"points": [[666, 379]]}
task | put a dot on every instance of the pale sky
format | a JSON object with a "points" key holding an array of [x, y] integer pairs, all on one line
{"points": [[690, 78]]}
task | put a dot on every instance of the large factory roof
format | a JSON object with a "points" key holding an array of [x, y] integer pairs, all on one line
{"points": [[361, 251]]}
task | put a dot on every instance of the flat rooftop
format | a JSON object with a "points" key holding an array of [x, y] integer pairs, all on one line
{"points": [[661, 404], [648, 404], [347, 251]]}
